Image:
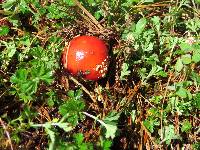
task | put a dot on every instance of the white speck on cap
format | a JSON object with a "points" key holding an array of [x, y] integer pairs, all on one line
{"points": [[79, 55]]}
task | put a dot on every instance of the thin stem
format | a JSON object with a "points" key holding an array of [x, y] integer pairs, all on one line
{"points": [[163, 100], [84, 89], [95, 118], [43, 125], [93, 19], [7, 133]]}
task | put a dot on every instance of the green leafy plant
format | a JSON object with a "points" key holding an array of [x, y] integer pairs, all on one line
{"points": [[72, 108], [169, 134], [150, 96], [109, 123], [4, 30], [124, 72], [26, 81]]}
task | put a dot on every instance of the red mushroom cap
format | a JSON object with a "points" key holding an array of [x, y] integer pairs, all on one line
{"points": [[88, 56]]}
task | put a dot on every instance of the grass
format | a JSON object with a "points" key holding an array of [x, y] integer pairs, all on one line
{"points": [[149, 99]]}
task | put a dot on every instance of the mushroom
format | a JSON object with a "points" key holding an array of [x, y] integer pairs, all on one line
{"points": [[86, 56]]}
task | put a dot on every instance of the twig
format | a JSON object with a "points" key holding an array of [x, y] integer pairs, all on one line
{"points": [[95, 118], [88, 14], [148, 101], [152, 5], [149, 135], [84, 89], [7, 133], [163, 100], [4, 93]]}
